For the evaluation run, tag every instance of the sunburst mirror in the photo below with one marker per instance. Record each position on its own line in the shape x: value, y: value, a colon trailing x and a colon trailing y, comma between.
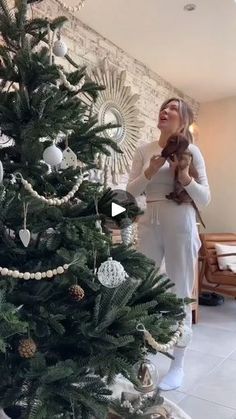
x: 116, y: 104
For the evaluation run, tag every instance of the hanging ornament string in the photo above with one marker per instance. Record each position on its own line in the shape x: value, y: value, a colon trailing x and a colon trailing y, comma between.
x: 25, y: 210
x: 50, y: 43
x: 24, y: 233
x: 161, y: 347
x: 36, y: 275
x: 68, y: 85
x: 72, y: 9
x: 50, y: 201
x: 105, y: 181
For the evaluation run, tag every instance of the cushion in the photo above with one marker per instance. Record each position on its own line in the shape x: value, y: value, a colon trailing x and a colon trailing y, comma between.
x: 232, y: 267
x: 224, y: 262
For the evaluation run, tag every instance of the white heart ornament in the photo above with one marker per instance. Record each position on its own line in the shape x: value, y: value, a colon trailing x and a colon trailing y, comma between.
x: 24, y: 235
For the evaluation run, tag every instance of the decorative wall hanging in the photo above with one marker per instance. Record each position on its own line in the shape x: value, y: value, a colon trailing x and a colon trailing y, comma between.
x: 116, y: 105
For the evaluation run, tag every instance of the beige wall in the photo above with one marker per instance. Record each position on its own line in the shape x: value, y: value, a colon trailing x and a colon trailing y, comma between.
x: 217, y: 140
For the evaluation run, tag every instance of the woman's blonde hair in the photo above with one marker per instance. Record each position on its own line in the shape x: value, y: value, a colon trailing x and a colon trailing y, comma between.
x: 186, y: 115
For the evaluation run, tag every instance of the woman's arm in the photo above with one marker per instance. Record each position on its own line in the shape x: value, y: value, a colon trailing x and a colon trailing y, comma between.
x: 137, y: 180
x: 199, y: 191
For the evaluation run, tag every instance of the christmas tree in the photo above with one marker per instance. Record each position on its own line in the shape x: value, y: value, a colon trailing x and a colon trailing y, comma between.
x: 64, y: 335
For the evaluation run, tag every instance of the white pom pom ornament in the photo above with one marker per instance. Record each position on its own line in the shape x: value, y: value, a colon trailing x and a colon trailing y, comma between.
x: 60, y: 48
x: 111, y: 273
x: 52, y: 155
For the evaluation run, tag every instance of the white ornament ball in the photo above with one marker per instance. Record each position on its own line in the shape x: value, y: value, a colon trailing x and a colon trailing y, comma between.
x: 111, y: 273
x: 26, y: 275
x: 60, y: 48
x: 52, y: 155
x: 49, y: 274
x: 1, y: 172
x: 38, y: 276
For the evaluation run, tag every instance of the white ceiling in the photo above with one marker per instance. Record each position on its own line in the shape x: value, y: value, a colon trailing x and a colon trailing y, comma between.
x: 195, y: 51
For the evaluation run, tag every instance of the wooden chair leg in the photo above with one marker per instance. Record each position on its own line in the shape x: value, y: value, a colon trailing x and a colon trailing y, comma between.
x: 202, y: 267
x: 195, y: 316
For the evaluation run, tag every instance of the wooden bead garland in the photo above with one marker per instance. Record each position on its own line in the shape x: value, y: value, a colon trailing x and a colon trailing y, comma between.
x: 37, y: 275
x: 70, y: 86
x: 51, y: 201
x: 162, y: 347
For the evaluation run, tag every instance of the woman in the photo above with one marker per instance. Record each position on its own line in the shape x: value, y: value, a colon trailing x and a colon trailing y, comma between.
x: 168, y: 230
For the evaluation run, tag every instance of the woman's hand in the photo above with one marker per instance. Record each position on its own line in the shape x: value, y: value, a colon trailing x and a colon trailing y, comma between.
x: 156, y: 162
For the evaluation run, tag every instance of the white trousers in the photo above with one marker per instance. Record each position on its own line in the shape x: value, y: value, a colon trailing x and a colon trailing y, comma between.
x: 168, y: 231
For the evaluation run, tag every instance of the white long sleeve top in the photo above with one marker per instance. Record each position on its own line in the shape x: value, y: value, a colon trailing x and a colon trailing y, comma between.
x: 161, y: 183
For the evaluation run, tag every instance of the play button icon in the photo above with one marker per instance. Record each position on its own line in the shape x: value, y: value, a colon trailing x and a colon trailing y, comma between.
x: 116, y: 209
x: 123, y: 202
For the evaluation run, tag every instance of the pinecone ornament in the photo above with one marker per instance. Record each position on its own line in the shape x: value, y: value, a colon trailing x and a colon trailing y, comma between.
x: 127, y: 232
x: 27, y: 348
x: 76, y: 292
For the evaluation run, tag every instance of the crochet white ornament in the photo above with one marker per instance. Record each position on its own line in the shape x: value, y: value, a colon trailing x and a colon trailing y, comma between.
x: 52, y: 155
x: 59, y: 48
x: 127, y: 231
x: 111, y: 273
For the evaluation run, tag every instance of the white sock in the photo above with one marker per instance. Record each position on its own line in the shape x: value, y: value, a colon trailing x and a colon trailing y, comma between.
x: 174, y: 378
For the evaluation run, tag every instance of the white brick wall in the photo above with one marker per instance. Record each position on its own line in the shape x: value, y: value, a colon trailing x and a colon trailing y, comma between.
x: 88, y: 47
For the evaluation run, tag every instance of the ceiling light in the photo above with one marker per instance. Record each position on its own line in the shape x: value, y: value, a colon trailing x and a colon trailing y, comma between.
x: 190, y: 7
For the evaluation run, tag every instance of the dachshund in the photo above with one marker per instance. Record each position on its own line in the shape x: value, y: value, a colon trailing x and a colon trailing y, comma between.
x: 177, y: 145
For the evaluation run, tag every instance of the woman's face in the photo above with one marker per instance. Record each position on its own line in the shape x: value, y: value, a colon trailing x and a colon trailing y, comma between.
x: 169, y: 118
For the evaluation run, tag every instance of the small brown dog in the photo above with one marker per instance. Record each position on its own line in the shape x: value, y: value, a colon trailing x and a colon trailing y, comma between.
x: 177, y: 145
